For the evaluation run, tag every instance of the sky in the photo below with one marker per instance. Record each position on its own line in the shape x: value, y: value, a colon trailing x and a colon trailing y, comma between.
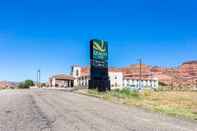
x: 53, y: 35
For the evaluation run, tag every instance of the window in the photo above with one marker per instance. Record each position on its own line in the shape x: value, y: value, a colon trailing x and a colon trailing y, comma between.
x: 77, y: 72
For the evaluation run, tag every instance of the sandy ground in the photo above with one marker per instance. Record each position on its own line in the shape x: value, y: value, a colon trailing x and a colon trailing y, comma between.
x: 55, y: 110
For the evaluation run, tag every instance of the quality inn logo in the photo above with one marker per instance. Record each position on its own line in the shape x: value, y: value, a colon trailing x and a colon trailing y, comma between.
x: 99, y: 46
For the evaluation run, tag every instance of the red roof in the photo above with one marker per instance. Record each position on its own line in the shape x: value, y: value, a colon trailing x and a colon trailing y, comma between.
x: 63, y: 77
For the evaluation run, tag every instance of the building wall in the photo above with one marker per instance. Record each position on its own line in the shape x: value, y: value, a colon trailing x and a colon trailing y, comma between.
x: 76, y: 71
x: 59, y: 83
x: 152, y: 83
x: 53, y: 82
x: 116, y: 79
x: 83, y: 81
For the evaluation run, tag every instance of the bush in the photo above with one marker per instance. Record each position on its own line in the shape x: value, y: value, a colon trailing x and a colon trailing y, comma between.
x: 147, y: 92
x: 126, y: 93
x: 22, y: 85
x: 25, y: 85
x: 43, y: 85
x: 29, y: 83
x: 162, y: 83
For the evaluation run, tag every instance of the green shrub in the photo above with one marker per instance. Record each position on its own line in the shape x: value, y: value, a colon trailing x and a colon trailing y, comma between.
x: 43, y: 85
x: 117, y: 90
x: 25, y: 85
x: 162, y: 83
x: 29, y: 83
x: 22, y: 85
x: 125, y: 93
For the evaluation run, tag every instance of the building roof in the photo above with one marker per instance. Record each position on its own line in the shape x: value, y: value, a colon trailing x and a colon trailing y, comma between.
x: 63, y: 77
x: 114, y: 70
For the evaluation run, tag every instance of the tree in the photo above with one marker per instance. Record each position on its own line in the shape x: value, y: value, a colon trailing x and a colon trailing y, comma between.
x: 26, y: 84
x: 22, y: 85
x: 29, y: 83
x: 43, y: 85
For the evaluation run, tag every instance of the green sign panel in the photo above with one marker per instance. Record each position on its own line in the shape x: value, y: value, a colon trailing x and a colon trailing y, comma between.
x: 100, y: 50
x: 99, y: 77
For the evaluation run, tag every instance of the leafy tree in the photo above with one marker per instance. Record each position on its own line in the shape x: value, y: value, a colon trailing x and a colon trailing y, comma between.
x: 43, y: 85
x: 29, y: 83
x: 26, y: 84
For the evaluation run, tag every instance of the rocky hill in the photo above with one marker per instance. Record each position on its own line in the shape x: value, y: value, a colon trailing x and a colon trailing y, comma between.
x: 7, y: 84
x: 183, y: 75
x: 188, y: 69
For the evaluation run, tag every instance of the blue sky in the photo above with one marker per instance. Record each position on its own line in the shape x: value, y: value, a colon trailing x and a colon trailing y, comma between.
x: 53, y: 35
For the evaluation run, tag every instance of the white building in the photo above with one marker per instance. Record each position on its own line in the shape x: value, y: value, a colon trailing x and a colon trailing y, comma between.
x: 80, y: 77
x: 141, y: 83
x: 117, y: 79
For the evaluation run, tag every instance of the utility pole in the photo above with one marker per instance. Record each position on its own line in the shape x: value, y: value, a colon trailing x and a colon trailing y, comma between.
x: 38, y: 78
x: 140, y: 72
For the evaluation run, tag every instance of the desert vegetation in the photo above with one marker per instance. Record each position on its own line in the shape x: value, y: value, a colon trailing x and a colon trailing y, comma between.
x: 175, y: 103
x: 26, y: 84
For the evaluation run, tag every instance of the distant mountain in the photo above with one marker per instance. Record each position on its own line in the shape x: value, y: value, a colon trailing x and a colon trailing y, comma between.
x: 7, y: 84
x: 183, y: 75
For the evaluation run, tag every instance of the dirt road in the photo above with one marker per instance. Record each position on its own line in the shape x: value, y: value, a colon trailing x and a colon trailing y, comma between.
x: 52, y: 110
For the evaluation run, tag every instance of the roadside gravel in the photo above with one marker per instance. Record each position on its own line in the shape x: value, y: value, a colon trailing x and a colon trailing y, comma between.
x: 53, y: 110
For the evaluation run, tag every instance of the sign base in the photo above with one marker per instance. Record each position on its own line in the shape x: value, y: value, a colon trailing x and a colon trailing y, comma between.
x: 100, y: 85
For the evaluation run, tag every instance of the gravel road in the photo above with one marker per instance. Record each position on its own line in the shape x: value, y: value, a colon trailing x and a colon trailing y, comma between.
x: 53, y: 110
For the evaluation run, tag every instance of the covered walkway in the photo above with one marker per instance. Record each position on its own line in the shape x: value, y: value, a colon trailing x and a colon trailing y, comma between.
x: 61, y: 80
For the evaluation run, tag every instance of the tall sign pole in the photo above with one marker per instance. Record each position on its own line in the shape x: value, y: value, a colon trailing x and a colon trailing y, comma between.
x: 99, y: 78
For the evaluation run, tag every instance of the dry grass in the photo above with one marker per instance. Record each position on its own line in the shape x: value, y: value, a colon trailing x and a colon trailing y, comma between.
x: 176, y: 103
x: 173, y: 102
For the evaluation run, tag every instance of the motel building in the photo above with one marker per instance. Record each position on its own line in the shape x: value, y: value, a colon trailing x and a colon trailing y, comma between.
x: 80, y: 76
